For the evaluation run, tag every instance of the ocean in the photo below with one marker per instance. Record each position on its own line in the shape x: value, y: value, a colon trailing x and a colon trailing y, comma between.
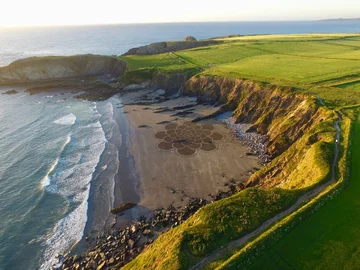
x: 57, y: 150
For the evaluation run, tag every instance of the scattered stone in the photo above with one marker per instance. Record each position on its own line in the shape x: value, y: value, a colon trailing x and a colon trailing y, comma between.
x: 162, y: 110
x: 111, y: 261
x: 192, y: 99
x: 184, y: 107
x: 122, y: 208
x: 164, y: 122
x: 133, y: 228
x: 10, y: 92
x: 147, y: 232
x: 131, y: 243
x: 160, y: 92
x: 101, y: 266
x: 76, y: 258
x: 183, y: 113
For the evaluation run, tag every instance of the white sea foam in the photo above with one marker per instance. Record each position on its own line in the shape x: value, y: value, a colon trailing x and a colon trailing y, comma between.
x: 67, y: 120
x: 72, y: 179
x: 93, y: 125
x: 46, y: 180
x: 68, y: 231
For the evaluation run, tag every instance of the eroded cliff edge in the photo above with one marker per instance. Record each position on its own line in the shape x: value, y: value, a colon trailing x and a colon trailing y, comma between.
x: 300, y: 131
x: 49, y: 68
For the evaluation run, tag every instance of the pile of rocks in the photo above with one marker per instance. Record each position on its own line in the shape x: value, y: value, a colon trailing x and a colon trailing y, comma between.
x: 257, y: 143
x: 117, y: 247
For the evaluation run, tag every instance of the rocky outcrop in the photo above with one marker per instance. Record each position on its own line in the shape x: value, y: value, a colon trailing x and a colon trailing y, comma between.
x: 171, y: 82
x: 164, y: 47
x: 190, y: 38
x: 10, y: 92
x: 61, y: 67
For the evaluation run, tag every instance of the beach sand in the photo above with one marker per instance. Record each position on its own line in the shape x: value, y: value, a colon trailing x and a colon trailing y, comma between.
x: 165, y: 175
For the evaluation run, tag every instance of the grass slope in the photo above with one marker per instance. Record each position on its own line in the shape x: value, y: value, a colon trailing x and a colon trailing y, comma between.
x: 334, y: 243
x: 213, y: 226
x: 327, y: 238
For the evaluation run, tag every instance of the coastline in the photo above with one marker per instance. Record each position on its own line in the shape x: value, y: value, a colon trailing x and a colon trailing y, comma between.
x: 136, y: 174
x: 114, y: 184
x: 126, y: 189
x: 198, y: 175
x: 164, y: 199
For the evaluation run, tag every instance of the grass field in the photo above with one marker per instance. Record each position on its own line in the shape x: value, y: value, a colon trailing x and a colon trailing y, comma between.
x: 311, y: 63
x: 330, y: 238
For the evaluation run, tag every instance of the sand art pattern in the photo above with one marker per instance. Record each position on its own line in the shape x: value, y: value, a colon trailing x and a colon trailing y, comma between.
x: 188, y: 138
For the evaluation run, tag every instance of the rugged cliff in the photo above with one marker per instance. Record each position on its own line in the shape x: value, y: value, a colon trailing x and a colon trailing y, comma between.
x: 300, y: 131
x: 57, y: 67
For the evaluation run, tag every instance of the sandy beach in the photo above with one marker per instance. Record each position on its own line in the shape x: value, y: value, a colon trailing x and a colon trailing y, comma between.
x: 171, y: 170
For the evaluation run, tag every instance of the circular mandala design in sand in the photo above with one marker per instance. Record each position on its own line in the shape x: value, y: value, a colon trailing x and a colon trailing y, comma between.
x: 186, y: 139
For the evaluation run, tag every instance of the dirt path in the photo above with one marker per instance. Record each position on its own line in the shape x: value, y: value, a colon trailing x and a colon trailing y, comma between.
x: 222, y: 251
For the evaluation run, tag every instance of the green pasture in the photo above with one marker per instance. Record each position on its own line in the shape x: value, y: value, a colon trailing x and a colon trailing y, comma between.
x: 310, y: 63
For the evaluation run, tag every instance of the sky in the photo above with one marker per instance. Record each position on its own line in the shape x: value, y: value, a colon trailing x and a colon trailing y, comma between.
x: 82, y: 12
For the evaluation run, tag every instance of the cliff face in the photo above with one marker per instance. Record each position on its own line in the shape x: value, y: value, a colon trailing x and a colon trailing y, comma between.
x: 282, y: 115
x: 56, y: 67
x: 299, y: 130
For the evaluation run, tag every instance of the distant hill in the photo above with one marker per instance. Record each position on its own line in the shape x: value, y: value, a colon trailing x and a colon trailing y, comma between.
x: 341, y: 19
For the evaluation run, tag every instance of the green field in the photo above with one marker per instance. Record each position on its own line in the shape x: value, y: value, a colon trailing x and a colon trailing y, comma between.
x: 325, y: 65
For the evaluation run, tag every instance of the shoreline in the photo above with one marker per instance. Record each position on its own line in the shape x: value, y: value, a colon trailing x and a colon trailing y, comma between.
x: 126, y: 189
x: 166, y: 206
x: 139, y: 178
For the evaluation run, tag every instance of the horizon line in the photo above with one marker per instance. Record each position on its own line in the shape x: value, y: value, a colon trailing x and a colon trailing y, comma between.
x: 175, y: 22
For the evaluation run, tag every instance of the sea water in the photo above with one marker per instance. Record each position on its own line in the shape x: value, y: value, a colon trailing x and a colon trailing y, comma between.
x: 53, y: 148
x: 50, y: 149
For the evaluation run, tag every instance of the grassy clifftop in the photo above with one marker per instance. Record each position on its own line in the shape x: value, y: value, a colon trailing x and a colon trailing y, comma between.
x: 278, y: 83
